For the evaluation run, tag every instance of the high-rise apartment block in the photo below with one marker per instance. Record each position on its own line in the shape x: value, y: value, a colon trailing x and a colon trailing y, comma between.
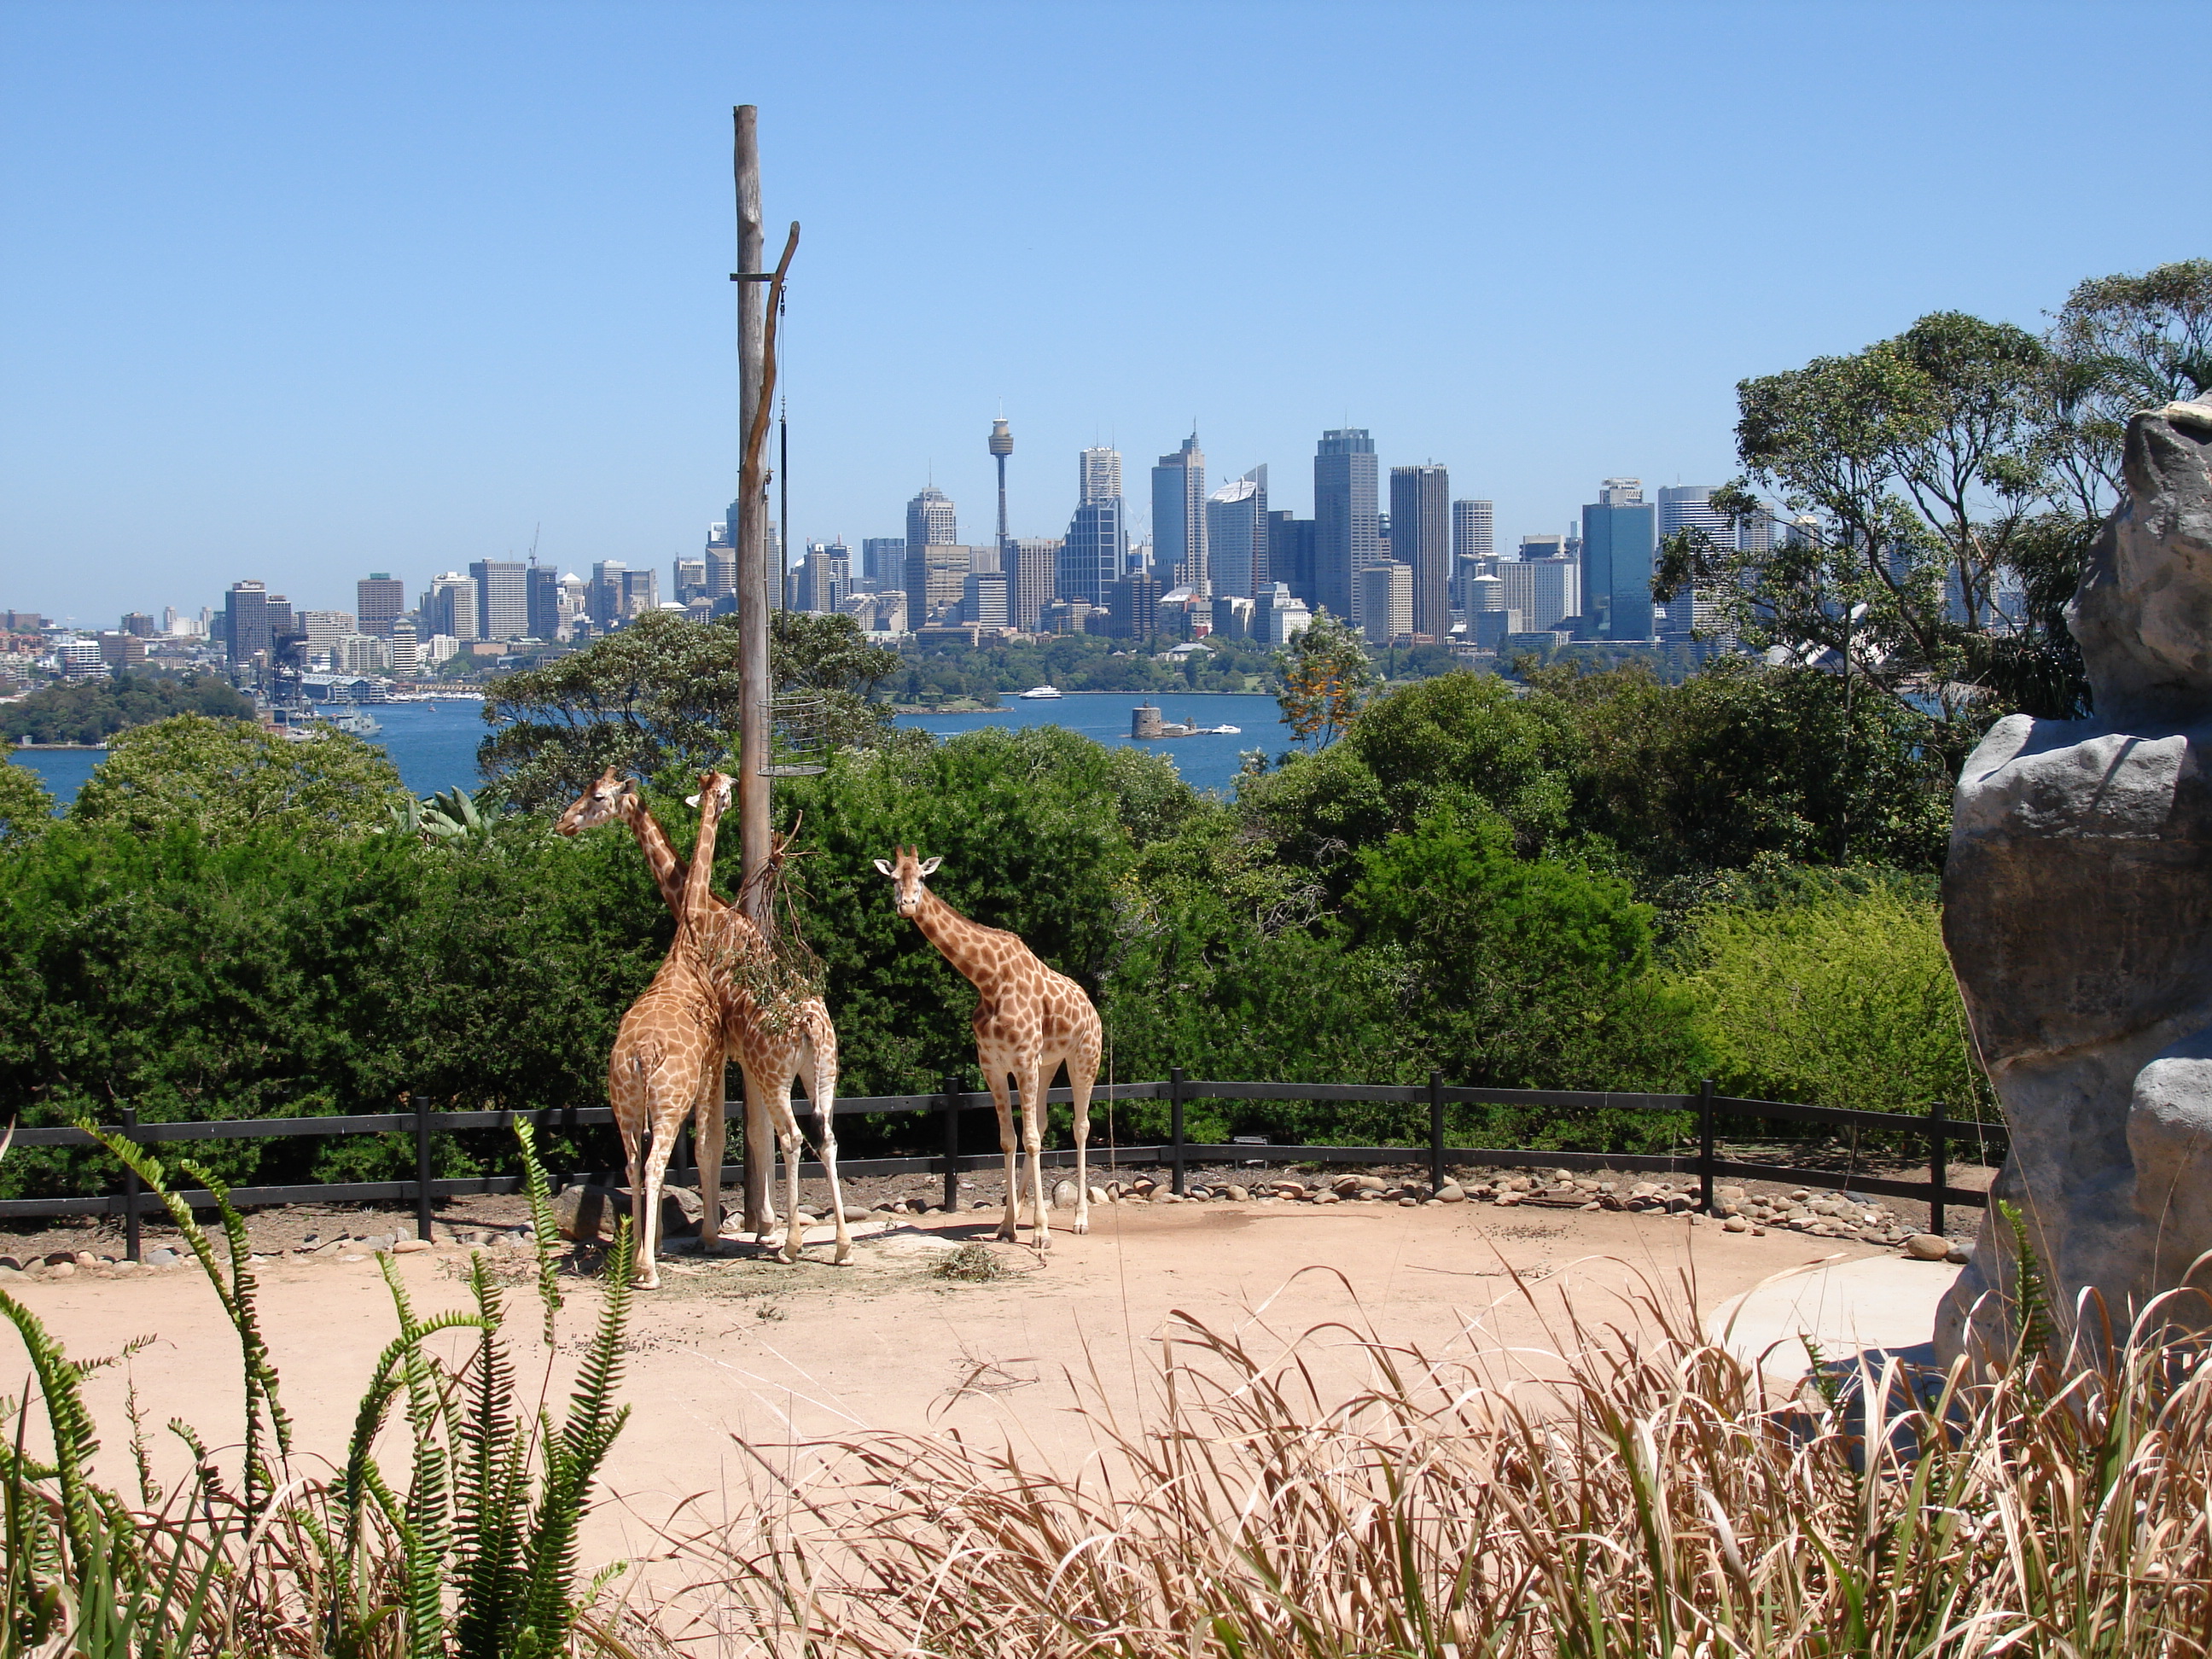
x: 379, y: 599
x: 1384, y: 595
x: 502, y: 598
x: 245, y: 611
x: 1620, y: 539
x: 1179, y: 515
x: 1420, y: 538
x: 1236, y: 535
x: 1346, y: 514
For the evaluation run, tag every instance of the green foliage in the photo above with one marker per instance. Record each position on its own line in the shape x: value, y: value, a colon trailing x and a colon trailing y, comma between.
x: 1839, y: 998
x: 216, y: 779
x: 26, y: 809
x: 660, y: 696
x: 1325, y: 679
x: 950, y: 670
x: 93, y: 711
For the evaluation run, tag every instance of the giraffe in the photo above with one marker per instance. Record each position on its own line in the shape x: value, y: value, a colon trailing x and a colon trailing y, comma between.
x: 1028, y: 1020
x: 667, y: 1059
x: 771, y: 1043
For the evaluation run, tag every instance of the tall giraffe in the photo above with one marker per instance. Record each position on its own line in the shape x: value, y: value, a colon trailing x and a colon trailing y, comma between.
x: 773, y: 1042
x: 667, y: 1060
x: 1028, y: 1021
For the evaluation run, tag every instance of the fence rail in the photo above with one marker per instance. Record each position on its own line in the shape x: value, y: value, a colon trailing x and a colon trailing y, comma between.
x: 1176, y: 1151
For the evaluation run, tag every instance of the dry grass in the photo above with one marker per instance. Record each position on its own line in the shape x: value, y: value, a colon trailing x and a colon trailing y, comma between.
x: 1655, y: 1498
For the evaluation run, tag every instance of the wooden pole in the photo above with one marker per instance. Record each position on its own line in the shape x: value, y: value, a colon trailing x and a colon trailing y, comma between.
x: 753, y: 783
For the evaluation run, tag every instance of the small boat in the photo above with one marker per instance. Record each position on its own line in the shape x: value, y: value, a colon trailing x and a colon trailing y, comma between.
x: 354, y: 721
x: 1041, y: 694
x: 1225, y: 732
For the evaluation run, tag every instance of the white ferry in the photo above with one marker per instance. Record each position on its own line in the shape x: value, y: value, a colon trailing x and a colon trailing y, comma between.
x: 1041, y: 694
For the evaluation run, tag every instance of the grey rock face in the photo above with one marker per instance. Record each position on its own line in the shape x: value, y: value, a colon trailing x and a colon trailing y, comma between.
x: 2078, y: 912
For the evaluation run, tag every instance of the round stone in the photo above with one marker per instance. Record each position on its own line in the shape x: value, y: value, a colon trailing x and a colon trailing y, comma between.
x: 1927, y: 1246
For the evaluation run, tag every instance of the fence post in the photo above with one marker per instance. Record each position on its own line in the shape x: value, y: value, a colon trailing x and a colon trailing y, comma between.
x: 422, y: 1169
x: 1435, y: 1131
x: 1175, y: 1127
x: 1705, y: 1146
x: 1939, y: 1165
x: 130, y: 1188
x: 952, y: 1144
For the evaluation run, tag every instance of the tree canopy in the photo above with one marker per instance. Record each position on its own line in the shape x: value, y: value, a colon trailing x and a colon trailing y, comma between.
x: 216, y: 780
x: 91, y: 711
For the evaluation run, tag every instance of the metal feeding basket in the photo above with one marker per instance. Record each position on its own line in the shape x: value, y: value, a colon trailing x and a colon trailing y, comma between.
x: 798, y: 746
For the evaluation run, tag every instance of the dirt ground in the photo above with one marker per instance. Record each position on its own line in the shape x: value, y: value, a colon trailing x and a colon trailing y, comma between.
x: 739, y: 1362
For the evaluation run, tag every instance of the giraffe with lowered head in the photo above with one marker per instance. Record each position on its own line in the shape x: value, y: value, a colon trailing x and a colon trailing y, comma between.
x: 773, y: 1040
x: 1029, y: 1021
x: 667, y: 1060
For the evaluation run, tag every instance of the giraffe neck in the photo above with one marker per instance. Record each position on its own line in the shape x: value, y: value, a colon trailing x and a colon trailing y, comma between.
x: 699, y: 881
x: 668, y: 870
x: 966, y: 945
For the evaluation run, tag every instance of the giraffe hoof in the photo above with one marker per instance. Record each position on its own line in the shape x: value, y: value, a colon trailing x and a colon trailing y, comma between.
x: 844, y: 1254
x: 1080, y: 1224
x: 1006, y: 1234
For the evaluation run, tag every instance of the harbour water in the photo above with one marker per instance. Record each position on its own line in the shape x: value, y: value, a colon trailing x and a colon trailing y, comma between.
x: 434, y: 744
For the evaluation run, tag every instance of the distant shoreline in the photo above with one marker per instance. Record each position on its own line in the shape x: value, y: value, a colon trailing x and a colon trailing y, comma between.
x: 1016, y: 697
x: 89, y: 747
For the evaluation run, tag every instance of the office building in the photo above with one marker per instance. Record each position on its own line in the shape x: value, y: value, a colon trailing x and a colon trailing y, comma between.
x: 1544, y: 547
x: 984, y: 599
x: 931, y: 522
x: 1543, y: 590
x: 1473, y: 542
x: 1179, y: 515
x: 1278, y: 615
x: 1290, y: 556
x: 825, y: 578
x: 82, y: 659
x: 119, y: 649
x: 401, y: 646
x: 1236, y: 535
x: 1072, y: 616
x: 1420, y: 540
x: 541, y: 589
x: 883, y: 560
x: 604, y: 601
x: 1689, y: 507
x: 1385, y: 600
x: 449, y: 606
x: 1095, y: 549
x: 1232, y: 618
x: 1134, y: 607
x: 379, y: 599
x: 325, y: 628
x: 245, y: 616
x: 502, y: 598
x: 689, y: 580
x: 640, y: 593
x: 1346, y: 517
x: 1621, y: 537
x: 1035, y: 562
x: 1097, y: 474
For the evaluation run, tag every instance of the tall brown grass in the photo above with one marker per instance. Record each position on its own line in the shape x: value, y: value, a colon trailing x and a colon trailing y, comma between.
x: 1656, y: 1496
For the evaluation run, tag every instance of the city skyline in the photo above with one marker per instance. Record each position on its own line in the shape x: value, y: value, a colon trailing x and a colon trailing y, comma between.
x: 364, y: 342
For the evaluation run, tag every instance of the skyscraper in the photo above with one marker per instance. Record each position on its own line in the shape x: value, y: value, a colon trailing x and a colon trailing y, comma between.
x: 1473, y: 540
x: 1421, y: 537
x: 1179, y: 515
x: 931, y: 522
x: 246, y: 612
x: 1620, y: 539
x: 1689, y: 507
x: 1290, y: 556
x: 1345, y: 514
x: 1386, y: 601
x: 542, y: 585
x: 1034, y: 563
x: 883, y: 560
x: 606, y: 592
x: 1097, y: 544
x: 1097, y: 474
x: 1236, y: 535
x: 502, y: 598
x: 379, y: 600
x: 449, y: 606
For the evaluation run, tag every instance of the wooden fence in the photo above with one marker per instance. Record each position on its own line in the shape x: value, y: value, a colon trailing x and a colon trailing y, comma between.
x: 1175, y: 1153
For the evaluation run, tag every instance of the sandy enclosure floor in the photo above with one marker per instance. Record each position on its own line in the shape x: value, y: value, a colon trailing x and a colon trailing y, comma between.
x: 739, y: 1362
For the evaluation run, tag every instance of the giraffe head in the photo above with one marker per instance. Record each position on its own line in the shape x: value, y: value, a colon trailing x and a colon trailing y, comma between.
x: 721, y: 782
x: 907, y: 876
x: 601, y: 802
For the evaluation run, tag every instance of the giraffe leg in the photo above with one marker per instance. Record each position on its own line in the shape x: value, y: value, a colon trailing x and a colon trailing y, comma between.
x: 786, y: 1138
x: 996, y: 1075
x: 760, y: 1183
x: 1082, y: 1072
x: 820, y: 1057
x: 709, y: 1132
x: 646, y: 1203
x: 627, y: 1093
x: 1033, y: 1120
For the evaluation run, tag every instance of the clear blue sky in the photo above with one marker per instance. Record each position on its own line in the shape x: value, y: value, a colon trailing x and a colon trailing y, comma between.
x: 298, y: 291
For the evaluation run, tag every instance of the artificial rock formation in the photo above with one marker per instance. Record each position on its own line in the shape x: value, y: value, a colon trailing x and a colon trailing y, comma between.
x: 2077, y: 907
